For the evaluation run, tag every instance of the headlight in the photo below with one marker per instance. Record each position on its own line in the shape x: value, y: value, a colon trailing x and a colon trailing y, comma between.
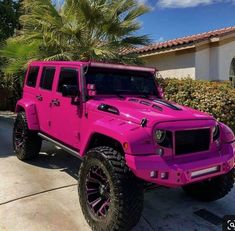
x: 216, y: 132
x: 159, y: 136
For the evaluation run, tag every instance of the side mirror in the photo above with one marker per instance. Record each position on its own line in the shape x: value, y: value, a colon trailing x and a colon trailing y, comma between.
x: 160, y: 91
x: 91, y: 90
x: 70, y: 91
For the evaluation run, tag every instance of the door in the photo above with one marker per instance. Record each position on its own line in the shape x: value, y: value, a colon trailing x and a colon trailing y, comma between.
x: 66, y: 114
x: 43, y: 98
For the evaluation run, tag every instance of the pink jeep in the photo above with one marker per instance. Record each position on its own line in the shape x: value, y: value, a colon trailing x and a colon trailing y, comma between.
x: 115, y: 118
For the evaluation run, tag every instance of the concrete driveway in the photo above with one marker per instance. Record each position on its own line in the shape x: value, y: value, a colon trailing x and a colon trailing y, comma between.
x: 42, y: 195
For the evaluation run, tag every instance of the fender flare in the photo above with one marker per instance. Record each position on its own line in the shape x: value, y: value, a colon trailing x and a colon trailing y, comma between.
x: 30, y: 110
x: 227, y: 134
x: 103, y: 131
x: 138, y: 138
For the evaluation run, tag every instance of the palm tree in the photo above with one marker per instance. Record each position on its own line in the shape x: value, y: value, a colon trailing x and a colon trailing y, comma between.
x: 78, y: 30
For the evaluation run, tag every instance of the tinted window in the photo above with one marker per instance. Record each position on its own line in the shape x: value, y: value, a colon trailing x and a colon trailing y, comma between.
x: 32, y: 76
x: 68, y: 76
x: 47, y: 78
x: 121, y: 82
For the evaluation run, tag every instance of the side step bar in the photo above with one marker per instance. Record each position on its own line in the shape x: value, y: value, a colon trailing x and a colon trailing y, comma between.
x: 67, y: 149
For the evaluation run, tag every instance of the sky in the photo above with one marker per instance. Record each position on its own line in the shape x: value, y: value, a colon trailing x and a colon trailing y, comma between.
x: 169, y: 19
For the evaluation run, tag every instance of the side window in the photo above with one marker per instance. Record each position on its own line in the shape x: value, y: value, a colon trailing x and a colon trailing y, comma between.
x: 32, y: 76
x: 47, y: 78
x: 68, y: 76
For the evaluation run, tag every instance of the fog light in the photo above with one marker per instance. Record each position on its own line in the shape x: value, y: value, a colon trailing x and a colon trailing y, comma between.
x: 164, y: 175
x: 153, y: 174
x: 205, y: 171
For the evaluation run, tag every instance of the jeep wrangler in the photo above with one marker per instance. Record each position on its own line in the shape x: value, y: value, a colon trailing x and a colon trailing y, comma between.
x: 115, y: 118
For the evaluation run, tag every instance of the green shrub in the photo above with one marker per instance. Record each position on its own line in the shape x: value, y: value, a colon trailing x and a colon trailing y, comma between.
x: 216, y: 98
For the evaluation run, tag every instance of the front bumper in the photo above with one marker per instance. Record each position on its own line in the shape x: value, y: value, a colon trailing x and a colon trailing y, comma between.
x: 175, y: 172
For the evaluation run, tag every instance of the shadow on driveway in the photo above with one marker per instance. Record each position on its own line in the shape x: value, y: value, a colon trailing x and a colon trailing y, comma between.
x: 6, y: 127
x: 52, y: 158
x: 164, y: 209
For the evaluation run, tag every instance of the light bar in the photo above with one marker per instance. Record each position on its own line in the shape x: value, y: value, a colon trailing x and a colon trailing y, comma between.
x: 206, y: 171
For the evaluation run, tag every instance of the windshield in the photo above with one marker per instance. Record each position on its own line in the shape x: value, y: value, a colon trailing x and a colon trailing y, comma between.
x: 110, y: 81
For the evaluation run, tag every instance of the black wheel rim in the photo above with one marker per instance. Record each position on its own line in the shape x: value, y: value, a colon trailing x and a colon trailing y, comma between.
x: 19, y: 136
x: 97, y: 192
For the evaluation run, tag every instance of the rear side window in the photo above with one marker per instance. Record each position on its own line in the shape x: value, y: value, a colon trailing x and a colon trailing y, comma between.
x: 32, y: 76
x: 47, y: 78
x: 68, y: 76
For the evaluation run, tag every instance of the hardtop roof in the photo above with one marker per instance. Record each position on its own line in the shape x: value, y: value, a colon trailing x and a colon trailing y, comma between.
x: 96, y: 64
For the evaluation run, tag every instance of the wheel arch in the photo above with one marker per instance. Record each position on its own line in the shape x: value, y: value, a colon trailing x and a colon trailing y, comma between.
x: 98, y: 139
x: 30, y: 110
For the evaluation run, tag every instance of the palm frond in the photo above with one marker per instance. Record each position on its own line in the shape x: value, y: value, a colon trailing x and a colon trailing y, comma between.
x: 19, y: 54
x: 76, y: 30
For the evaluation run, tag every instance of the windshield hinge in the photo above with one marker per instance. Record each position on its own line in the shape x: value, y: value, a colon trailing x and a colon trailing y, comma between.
x: 144, y: 122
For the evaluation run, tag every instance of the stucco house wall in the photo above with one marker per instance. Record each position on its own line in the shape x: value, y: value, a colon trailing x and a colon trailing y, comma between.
x: 202, y: 63
x: 176, y: 64
x: 206, y: 56
x: 213, y: 61
x: 226, y: 55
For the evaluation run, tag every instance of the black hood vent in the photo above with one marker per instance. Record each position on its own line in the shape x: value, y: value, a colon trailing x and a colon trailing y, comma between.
x: 108, y: 108
x: 167, y: 104
x: 146, y: 103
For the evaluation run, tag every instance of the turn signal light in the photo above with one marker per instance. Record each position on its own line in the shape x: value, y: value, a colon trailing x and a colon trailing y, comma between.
x: 125, y: 146
x: 164, y: 175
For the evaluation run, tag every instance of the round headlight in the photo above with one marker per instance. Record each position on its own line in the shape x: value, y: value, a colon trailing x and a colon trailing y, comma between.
x: 216, y: 132
x: 159, y: 136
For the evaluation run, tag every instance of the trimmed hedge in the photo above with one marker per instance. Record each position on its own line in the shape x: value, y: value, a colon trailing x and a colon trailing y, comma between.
x: 216, y: 98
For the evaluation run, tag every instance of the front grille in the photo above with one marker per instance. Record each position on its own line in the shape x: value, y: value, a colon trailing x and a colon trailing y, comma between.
x: 191, y: 141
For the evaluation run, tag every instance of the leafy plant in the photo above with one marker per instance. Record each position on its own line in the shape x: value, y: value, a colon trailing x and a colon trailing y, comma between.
x: 77, y: 30
x: 9, y: 17
x: 215, y: 98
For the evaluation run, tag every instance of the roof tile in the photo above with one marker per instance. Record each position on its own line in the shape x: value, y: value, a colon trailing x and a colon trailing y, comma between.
x: 184, y: 40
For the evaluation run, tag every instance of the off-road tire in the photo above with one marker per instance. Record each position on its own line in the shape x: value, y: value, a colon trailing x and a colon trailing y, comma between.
x: 126, y: 191
x: 213, y: 189
x: 31, y: 142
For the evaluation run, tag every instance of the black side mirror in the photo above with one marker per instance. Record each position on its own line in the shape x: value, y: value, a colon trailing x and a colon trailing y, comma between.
x: 70, y: 91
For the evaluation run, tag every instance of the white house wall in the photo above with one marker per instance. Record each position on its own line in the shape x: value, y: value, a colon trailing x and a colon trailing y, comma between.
x: 210, y: 61
x: 213, y: 62
x: 202, y: 63
x: 173, y: 65
x: 226, y: 55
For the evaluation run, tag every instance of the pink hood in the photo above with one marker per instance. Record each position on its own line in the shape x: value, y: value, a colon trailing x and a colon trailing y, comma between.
x: 155, y: 111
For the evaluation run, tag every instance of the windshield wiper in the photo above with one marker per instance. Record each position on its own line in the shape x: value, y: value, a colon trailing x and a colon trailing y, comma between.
x: 145, y: 95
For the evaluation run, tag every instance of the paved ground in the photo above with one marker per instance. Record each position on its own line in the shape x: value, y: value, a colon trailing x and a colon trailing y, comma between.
x: 42, y: 195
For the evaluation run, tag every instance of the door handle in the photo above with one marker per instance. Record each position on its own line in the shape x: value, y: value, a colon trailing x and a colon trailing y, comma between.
x: 55, y: 102
x: 39, y: 97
